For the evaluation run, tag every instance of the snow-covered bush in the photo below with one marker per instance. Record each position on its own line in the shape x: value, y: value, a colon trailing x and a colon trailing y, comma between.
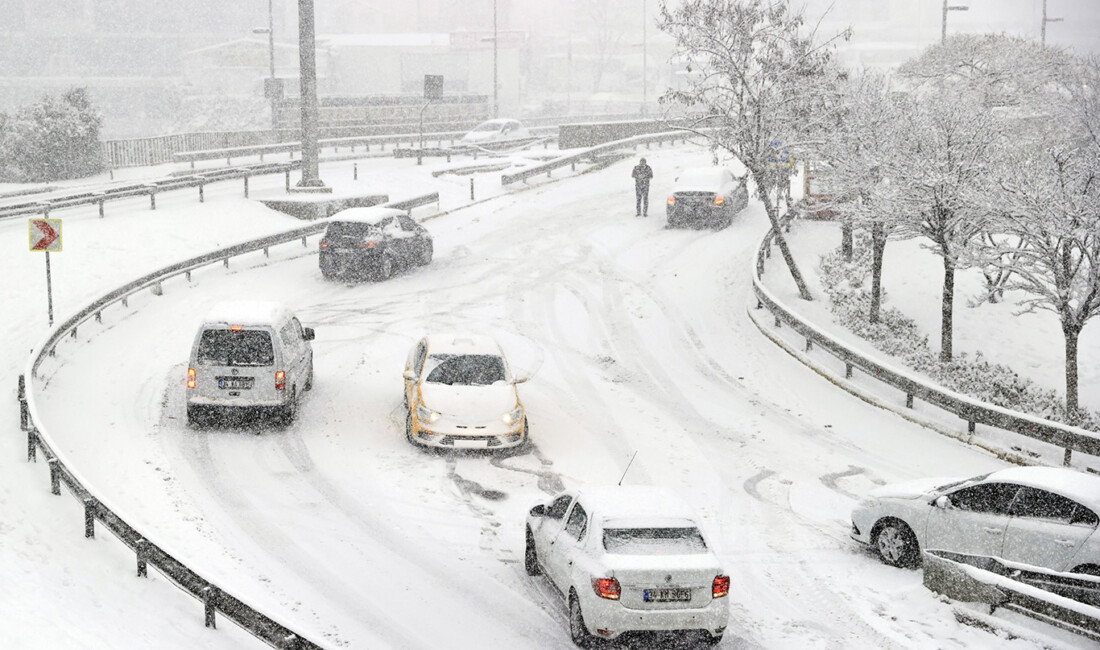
x: 54, y: 139
x: 898, y: 336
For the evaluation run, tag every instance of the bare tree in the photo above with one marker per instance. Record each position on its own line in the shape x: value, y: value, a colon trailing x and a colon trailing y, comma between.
x: 1050, y: 207
x: 758, y: 78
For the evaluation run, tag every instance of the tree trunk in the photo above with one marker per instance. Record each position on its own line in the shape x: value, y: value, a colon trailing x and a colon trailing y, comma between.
x: 1071, y: 333
x: 878, y: 249
x: 846, y: 237
x: 948, y: 308
x: 773, y: 217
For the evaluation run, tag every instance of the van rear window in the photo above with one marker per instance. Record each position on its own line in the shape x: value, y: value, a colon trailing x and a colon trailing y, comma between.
x: 236, y: 348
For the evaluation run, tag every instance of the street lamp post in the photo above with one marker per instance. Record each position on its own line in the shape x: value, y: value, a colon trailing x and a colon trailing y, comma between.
x: 1043, y: 33
x: 645, y: 61
x: 947, y: 8
x: 270, y: 31
x: 496, y: 106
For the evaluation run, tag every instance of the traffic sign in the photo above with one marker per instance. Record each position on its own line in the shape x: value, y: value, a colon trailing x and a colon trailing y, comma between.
x: 45, y: 234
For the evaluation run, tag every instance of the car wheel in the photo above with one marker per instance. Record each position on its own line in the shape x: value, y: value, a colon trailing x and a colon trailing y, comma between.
x: 530, y: 557
x: 309, y: 380
x: 426, y: 253
x: 711, y: 640
x: 385, y: 268
x: 196, y: 416
x: 290, y: 410
x: 409, y: 427
x: 896, y: 544
x: 577, y: 631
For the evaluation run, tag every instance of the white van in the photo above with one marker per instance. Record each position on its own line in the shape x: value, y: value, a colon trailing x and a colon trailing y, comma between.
x: 249, y: 355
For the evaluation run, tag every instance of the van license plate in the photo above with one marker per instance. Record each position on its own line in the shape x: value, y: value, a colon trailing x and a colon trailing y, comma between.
x: 667, y: 595
x: 235, y: 383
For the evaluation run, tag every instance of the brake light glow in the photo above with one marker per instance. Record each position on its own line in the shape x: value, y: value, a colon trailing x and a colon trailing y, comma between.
x: 323, y: 243
x: 368, y: 244
x: 606, y: 588
x: 720, y: 587
x: 672, y: 200
x: 280, y: 380
x: 235, y: 328
x: 719, y: 200
x: 190, y: 377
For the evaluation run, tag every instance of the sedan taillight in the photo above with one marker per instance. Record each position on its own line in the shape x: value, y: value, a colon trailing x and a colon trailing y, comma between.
x: 370, y: 243
x: 606, y: 588
x: 322, y: 244
x: 672, y: 200
x: 720, y: 587
x: 719, y: 200
x: 280, y: 379
x: 190, y: 377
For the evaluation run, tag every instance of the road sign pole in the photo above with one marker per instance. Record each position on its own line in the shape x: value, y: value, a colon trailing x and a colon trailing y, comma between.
x: 49, y: 288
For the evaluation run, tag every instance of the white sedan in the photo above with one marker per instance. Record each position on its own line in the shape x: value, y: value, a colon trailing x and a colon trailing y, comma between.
x: 1040, y: 516
x: 628, y: 559
x: 461, y: 394
x: 495, y: 131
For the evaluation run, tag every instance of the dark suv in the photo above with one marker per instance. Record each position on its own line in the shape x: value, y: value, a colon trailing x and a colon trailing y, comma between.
x: 372, y: 242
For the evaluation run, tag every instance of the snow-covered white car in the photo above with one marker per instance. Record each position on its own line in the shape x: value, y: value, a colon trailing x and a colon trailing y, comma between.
x: 628, y: 559
x: 1040, y: 516
x: 495, y: 131
x: 461, y: 394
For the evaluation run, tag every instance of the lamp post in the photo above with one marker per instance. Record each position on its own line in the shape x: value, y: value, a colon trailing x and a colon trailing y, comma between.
x: 307, y: 62
x: 645, y: 61
x: 947, y: 8
x: 270, y: 31
x: 1043, y: 33
x: 496, y: 106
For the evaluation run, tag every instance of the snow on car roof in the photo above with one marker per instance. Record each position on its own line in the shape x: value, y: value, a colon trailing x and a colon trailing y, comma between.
x: 1070, y: 483
x: 246, y: 312
x: 638, y: 505
x: 372, y: 215
x: 460, y: 343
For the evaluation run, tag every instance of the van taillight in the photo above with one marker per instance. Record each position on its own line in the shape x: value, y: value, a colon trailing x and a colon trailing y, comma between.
x: 323, y: 243
x: 606, y: 588
x: 280, y: 380
x: 190, y: 377
x: 720, y: 587
x: 719, y: 200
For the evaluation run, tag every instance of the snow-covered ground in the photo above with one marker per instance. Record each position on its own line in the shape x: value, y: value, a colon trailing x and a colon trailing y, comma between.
x: 638, y: 340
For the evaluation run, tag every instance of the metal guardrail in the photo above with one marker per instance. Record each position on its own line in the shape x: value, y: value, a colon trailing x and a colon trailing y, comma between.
x: 1067, y: 601
x: 150, y: 188
x: 592, y: 152
x: 974, y: 411
x: 96, y: 508
x: 413, y: 140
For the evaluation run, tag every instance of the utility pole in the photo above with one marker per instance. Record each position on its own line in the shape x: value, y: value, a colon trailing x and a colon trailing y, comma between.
x: 1043, y: 33
x: 947, y: 8
x: 645, y: 60
x: 311, y: 112
x: 496, y: 106
x: 270, y: 31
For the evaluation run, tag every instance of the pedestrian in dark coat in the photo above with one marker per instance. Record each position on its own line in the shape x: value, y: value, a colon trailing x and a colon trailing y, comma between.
x: 642, y: 173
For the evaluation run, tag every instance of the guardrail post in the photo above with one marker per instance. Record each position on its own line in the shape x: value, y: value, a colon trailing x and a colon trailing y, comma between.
x: 778, y: 323
x: 848, y: 374
x: 909, y: 400
x: 24, y: 416
x: 290, y: 642
x: 246, y: 186
x: 809, y: 344
x: 55, y: 476
x: 304, y: 244
x: 265, y: 252
x: 101, y: 202
x: 142, y: 548
x: 32, y: 440
x: 471, y: 189
x: 45, y: 209
x: 202, y: 192
x: 89, y: 518
x: 1067, y: 457
x: 209, y: 598
x: 288, y: 180
x: 355, y: 171
x: 225, y: 262
x: 152, y: 197
x: 573, y: 166
x: 228, y: 161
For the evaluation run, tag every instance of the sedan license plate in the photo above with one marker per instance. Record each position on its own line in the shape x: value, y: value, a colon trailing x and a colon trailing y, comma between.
x: 666, y: 595
x: 235, y: 383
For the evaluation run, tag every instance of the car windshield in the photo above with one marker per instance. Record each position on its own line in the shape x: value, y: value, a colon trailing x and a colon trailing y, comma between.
x: 488, y: 126
x: 700, y: 177
x: 351, y: 230
x: 466, y: 369
x: 653, y: 541
x: 225, y: 347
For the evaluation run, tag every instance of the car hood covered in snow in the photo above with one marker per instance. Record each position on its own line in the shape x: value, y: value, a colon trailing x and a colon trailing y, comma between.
x: 913, y: 489
x: 479, y: 402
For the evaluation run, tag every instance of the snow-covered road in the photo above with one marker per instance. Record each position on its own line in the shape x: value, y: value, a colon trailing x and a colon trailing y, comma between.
x: 638, y: 342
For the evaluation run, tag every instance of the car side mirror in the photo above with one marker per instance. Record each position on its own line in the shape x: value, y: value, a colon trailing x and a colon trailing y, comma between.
x: 520, y: 380
x: 943, y: 501
x: 409, y: 374
x: 307, y: 333
x: 538, y: 511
